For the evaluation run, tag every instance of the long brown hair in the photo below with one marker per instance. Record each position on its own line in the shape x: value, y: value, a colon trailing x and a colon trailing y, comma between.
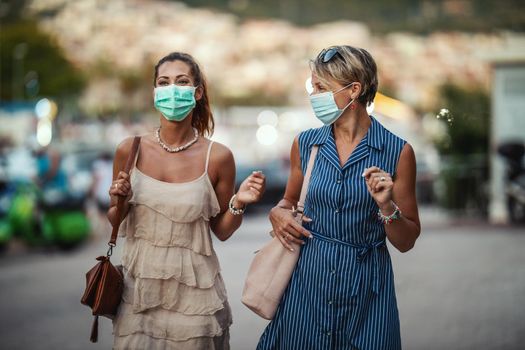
x: 202, y: 115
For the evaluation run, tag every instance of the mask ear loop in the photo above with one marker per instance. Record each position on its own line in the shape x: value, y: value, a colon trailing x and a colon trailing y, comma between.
x: 352, y: 106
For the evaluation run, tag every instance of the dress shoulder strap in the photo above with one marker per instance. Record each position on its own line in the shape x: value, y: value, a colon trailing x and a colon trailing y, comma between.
x: 136, y: 157
x: 208, y: 157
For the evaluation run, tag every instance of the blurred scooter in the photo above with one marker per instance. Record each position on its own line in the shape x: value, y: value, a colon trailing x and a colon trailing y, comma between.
x: 513, y: 152
x: 64, y: 220
x: 45, y: 209
x: 48, y: 217
x: 5, y: 202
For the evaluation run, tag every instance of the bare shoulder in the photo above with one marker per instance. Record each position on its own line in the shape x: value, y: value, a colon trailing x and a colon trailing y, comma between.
x: 295, y: 145
x: 294, y: 153
x: 222, y: 164
x: 220, y: 154
x: 406, y: 167
x: 124, y: 148
x: 407, y: 155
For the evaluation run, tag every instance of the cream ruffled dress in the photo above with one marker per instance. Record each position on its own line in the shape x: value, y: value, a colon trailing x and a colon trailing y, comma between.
x: 174, y: 296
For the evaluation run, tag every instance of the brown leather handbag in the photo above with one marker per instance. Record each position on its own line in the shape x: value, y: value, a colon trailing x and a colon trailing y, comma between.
x: 104, y: 282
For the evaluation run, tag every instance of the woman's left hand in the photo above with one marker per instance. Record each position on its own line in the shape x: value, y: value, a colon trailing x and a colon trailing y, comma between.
x: 379, y: 185
x: 252, y: 188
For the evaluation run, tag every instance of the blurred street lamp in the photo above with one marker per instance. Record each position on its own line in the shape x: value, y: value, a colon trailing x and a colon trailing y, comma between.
x: 266, y: 135
x: 45, y: 111
x: 44, y: 132
x: 43, y: 108
x: 267, y: 117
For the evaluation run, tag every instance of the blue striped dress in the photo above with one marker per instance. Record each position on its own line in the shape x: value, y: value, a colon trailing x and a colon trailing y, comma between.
x: 341, y: 295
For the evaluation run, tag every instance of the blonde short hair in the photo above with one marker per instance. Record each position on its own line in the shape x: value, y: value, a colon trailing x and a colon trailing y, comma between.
x: 350, y: 64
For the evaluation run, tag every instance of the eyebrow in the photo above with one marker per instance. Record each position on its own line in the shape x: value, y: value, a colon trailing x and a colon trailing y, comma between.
x: 178, y: 76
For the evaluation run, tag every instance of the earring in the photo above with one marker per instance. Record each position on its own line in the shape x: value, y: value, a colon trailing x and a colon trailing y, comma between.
x: 352, y: 106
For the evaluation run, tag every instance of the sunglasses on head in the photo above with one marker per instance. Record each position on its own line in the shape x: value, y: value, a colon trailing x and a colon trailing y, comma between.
x: 326, y: 55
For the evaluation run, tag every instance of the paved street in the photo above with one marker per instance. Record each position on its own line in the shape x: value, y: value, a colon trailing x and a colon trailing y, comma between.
x: 462, y: 287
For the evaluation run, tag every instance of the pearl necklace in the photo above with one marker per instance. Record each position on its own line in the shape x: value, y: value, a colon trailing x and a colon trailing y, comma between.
x: 176, y: 149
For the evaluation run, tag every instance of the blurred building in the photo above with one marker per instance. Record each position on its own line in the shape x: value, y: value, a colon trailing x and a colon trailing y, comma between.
x: 508, y: 121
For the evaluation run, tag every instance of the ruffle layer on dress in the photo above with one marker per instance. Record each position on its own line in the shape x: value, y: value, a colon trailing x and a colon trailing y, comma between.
x: 161, y: 230
x: 174, y: 326
x: 191, y: 196
x: 144, y: 260
x: 171, y: 295
x: 140, y: 342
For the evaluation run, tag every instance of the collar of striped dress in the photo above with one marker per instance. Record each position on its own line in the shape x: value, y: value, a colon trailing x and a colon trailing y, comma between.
x: 375, y: 135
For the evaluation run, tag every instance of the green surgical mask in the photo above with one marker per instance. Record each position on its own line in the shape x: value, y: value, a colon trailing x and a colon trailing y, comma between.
x: 175, y: 102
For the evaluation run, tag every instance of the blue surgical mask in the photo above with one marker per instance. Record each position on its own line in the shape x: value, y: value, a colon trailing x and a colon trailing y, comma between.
x: 325, y: 108
x: 175, y: 102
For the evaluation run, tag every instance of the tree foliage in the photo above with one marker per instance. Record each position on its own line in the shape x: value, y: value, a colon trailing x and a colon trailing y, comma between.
x: 32, y: 64
x: 385, y: 15
x: 464, y: 148
x: 467, y: 120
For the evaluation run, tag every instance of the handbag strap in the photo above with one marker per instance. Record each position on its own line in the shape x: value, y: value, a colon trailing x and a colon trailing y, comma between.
x: 306, y: 181
x: 121, y: 200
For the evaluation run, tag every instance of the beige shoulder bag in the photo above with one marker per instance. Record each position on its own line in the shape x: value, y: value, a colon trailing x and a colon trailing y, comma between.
x: 273, y: 265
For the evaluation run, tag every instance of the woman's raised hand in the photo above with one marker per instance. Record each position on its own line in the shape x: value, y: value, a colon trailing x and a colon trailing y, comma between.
x: 379, y: 184
x: 252, y: 188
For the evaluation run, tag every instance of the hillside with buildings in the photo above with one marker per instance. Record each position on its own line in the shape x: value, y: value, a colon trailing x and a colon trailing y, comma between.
x: 250, y: 61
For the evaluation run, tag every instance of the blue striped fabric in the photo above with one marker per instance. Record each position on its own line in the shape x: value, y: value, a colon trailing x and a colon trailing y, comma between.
x: 341, y: 295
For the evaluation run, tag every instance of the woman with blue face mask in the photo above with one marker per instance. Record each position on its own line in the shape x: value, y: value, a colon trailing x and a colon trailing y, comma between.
x: 180, y: 188
x: 362, y: 192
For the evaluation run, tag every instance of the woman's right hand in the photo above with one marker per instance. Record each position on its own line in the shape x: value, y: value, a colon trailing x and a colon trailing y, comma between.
x: 121, y: 186
x: 286, y: 229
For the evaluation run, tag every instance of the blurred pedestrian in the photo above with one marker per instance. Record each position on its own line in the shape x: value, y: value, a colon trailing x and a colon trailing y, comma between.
x: 50, y: 175
x: 181, y: 186
x: 362, y: 191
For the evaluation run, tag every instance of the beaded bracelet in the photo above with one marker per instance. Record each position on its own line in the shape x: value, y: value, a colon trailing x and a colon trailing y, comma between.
x: 232, y: 209
x: 388, y: 219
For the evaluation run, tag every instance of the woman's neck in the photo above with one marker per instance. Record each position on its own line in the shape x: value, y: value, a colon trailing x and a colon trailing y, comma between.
x: 176, y: 133
x: 352, y: 125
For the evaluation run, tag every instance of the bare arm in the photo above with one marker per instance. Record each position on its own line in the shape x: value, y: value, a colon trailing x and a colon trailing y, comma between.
x: 402, y: 233
x: 285, y: 228
x: 250, y: 191
x: 122, y: 179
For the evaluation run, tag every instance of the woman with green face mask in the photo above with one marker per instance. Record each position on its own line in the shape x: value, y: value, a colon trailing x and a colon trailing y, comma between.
x: 180, y: 188
x: 362, y: 192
